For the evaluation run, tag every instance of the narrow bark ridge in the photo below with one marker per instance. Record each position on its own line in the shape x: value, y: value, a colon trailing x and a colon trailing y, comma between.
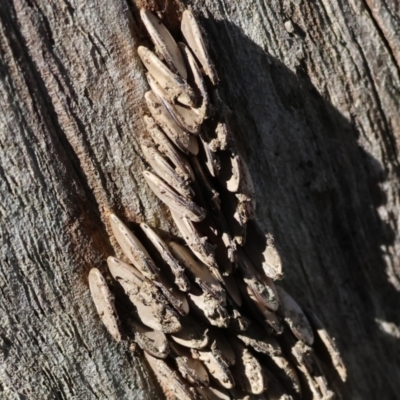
x: 212, y: 322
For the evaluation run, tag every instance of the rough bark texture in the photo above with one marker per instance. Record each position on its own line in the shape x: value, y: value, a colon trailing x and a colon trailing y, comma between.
x: 315, y: 89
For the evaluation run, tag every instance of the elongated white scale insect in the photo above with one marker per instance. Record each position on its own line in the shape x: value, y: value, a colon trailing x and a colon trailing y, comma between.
x: 204, y: 110
x: 104, y: 302
x: 216, y: 367
x: 191, y: 369
x: 176, y: 298
x: 153, y: 342
x: 310, y: 368
x: 172, y: 85
x: 185, y: 207
x: 183, y: 140
x: 202, y: 275
x: 330, y: 345
x: 164, y: 42
x: 152, y: 308
x: 173, y: 385
x: 247, y: 371
x: 192, y: 33
x: 203, y: 250
x: 132, y: 248
x: 212, y: 161
x: 295, y: 317
x: 262, y: 287
x: 165, y: 171
x: 177, y: 269
x: 267, y: 316
x: 183, y: 116
x: 193, y: 335
x: 214, y: 393
x: 179, y: 160
x: 221, y: 346
x: 208, y: 308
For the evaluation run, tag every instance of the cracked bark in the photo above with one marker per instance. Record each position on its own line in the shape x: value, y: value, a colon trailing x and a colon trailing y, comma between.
x: 314, y: 87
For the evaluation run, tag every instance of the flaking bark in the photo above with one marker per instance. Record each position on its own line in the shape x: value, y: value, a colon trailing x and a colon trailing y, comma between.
x: 314, y: 88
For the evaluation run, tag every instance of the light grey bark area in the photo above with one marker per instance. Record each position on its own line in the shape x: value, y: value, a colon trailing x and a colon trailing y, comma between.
x: 315, y: 89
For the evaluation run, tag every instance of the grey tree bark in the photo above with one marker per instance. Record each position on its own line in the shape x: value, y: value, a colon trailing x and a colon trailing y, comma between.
x: 314, y: 87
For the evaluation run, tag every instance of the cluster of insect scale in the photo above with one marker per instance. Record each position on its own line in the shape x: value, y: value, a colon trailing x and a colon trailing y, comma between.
x: 220, y: 328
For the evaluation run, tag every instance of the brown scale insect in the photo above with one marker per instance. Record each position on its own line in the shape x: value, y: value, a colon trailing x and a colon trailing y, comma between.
x: 208, y: 316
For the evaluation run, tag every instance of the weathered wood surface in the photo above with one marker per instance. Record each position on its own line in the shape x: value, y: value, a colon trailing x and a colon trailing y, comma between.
x: 315, y: 90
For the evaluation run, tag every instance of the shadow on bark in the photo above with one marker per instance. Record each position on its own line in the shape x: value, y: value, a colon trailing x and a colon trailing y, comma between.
x: 318, y: 193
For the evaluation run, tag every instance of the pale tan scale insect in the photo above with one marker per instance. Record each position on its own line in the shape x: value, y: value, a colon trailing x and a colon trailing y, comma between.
x: 209, y: 309
x: 272, y: 264
x: 286, y: 372
x: 191, y: 369
x: 164, y: 42
x: 133, y: 248
x: 193, y: 335
x: 260, y: 248
x: 176, y: 298
x: 165, y: 171
x: 208, y: 187
x: 213, y: 393
x: 262, y: 287
x: 227, y: 239
x: 192, y: 33
x: 172, y: 85
x: 212, y: 161
x: 153, y: 342
x: 245, y: 209
x: 237, y: 322
x: 199, y: 245
x: 173, y: 386
x: 247, y: 370
x: 256, y: 338
x: 179, y: 160
x: 202, y: 275
x: 185, y: 207
x: 130, y: 275
x: 295, y: 317
x: 220, y: 346
x: 235, y: 177
x: 151, y: 306
x: 177, y: 269
x: 309, y: 366
x: 216, y: 367
x: 241, y: 184
x: 183, y: 140
x: 122, y: 270
x: 222, y: 139
x: 104, y: 302
x: 269, y: 317
x: 237, y: 231
x: 233, y: 182
x: 330, y: 345
x: 183, y: 116
x: 204, y: 111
